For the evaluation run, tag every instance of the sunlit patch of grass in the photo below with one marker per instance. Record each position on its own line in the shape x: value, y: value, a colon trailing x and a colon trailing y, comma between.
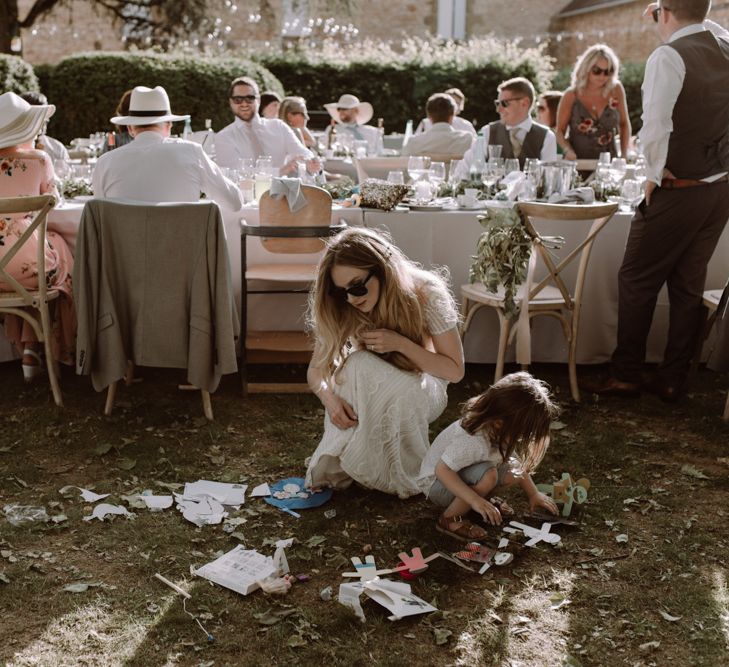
x: 90, y: 635
x: 720, y: 594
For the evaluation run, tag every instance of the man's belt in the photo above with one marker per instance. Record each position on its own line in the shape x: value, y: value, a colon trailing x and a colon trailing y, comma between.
x: 676, y: 183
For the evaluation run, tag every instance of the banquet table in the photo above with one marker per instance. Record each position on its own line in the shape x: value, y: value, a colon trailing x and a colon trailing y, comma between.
x: 448, y: 239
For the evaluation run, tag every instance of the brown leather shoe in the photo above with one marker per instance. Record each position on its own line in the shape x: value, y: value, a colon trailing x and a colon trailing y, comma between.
x: 613, y: 387
x: 668, y: 393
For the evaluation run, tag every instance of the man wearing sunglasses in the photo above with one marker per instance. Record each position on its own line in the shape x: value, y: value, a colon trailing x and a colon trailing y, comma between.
x: 515, y: 130
x: 249, y: 136
x: 674, y: 232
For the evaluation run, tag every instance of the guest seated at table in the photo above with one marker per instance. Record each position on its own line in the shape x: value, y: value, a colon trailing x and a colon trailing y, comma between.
x: 441, y: 137
x: 547, y: 105
x: 155, y: 168
x: 593, y: 109
x: 386, y: 347
x: 270, y: 104
x: 350, y: 116
x: 519, y: 136
x: 27, y: 171
x: 293, y: 112
x: 249, y: 136
x: 121, y: 137
x: 54, y: 148
x: 458, y: 123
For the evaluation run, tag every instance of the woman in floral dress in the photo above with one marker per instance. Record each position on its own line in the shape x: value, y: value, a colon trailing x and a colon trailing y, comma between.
x: 593, y: 110
x: 25, y: 171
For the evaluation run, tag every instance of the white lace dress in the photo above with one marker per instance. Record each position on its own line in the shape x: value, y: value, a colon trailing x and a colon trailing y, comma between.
x: 394, y: 407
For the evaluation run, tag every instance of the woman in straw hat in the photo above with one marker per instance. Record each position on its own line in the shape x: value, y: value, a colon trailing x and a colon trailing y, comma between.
x: 386, y: 347
x: 25, y: 171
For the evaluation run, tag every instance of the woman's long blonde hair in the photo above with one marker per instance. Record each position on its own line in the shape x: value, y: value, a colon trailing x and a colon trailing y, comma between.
x: 587, y: 60
x: 333, y: 322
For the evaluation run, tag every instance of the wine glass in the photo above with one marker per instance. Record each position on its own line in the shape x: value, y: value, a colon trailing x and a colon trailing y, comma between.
x: 436, y: 173
x: 453, y: 169
x: 418, y: 167
x: 489, y: 177
x: 495, y: 151
x: 511, y: 164
x: 630, y: 193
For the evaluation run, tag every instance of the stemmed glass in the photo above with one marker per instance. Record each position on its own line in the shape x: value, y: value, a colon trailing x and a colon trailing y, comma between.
x: 630, y: 193
x: 418, y: 167
x: 511, y: 164
x: 436, y: 174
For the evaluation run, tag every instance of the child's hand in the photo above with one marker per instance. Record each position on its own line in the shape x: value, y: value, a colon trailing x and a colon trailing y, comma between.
x: 540, y: 499
x: 489, y: 513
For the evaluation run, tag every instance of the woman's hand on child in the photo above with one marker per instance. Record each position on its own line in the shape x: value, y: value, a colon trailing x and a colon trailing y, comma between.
x: 540, y: 499
x: 382, y: 340
x: 487, y: 510
x: 340, y: 412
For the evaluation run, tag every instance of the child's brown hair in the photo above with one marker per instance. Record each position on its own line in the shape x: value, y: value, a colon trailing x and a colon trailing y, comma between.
x: 523, y: 407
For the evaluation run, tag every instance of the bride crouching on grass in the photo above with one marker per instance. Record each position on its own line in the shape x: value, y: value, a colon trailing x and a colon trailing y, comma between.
x: 386, y: 347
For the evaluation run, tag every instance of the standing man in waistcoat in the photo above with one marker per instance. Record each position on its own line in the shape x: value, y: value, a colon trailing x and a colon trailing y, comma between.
x: 677, y: 226
x: 519, y: 135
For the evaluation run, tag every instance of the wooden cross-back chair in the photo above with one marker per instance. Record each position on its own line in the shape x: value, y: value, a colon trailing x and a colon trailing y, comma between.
x: 31, y: 304
x: 549, y: 296
x: 282, y: 232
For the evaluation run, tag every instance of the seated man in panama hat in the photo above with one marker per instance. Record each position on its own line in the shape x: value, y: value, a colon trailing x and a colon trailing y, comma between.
x: 156, y: 168
x: 351, y: 117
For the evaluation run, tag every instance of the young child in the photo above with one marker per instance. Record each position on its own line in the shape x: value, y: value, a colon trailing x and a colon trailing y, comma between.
x: 500, y: 439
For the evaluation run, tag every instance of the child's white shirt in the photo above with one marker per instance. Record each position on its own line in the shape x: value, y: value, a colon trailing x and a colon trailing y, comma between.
x: 458, y: 449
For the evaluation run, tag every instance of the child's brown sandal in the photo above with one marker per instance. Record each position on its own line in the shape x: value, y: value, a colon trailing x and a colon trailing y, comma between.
x: 466, y: 531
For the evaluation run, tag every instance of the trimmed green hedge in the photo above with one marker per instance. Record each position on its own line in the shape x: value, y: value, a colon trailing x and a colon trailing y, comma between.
x: 87, y: 87
x: 631, y: 76
x: 16, y: 75
x: 398, y: 92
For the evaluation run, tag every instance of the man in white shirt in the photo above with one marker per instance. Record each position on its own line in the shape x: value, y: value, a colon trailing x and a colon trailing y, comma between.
x: 249, y: 136
x: 458, y: 123
x: 674, y: 231
x: 442, y: 137
x: 155, y: 168
x: 350, y: 116
x: 516, y: 132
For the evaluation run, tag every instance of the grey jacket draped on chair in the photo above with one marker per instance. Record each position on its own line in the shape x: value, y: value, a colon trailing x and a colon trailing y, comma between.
x: 152, y: 284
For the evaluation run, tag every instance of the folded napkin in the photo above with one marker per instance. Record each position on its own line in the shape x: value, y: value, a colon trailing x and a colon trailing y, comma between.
x: 576, y: 196
x: 514, y: 183
x: 291, y: 189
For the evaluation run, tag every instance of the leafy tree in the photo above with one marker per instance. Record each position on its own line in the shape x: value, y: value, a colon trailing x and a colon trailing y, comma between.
x: 158, y: 20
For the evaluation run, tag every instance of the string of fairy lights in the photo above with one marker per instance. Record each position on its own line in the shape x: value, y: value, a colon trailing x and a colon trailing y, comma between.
x: 220, y: 34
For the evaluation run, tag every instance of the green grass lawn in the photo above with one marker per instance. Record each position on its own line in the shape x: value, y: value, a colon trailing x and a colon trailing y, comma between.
x: 643, y: 581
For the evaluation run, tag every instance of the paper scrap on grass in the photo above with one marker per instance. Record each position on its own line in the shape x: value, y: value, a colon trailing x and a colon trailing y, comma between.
x: 88, y: 496
x: 224, y: 493
x: 156, y: 503
x: 396, y: 597
x: 201, y: 511
x: 239, y: 570
x: 105, y: 509
x: 261, y: 490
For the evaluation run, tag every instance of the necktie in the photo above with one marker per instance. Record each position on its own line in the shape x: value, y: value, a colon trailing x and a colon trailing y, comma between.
x: 515, y: 143
x: 251, y: 138
x: 354, y: 129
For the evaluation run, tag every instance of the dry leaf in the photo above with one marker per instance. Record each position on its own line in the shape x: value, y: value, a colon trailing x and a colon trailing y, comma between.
x: 668, y: 617
x: 693, y: 471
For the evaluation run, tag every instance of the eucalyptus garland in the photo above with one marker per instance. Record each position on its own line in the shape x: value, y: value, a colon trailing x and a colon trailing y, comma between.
x: 502, y: 254
x: 74, y: 187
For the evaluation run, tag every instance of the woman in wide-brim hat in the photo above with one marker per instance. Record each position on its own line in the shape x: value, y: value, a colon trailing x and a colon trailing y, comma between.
x: 25, y: 171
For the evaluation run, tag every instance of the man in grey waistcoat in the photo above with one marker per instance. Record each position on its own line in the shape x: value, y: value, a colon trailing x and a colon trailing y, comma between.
x: 519, y: 136
x: 674, y: 232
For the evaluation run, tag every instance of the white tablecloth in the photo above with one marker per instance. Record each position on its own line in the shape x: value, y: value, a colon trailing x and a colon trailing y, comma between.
x: 449, y: 239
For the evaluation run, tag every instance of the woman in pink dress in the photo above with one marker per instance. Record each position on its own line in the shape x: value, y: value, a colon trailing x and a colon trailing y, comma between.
x: 25, y: 171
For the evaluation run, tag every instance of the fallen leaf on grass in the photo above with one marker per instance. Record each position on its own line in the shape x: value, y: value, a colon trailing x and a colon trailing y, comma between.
x: 59, y: 518
x: 558, y: 601
x: 668, y: 617
x: 621, y: 538
x: 557, y: 426
x: 315, y: 541
x: 103, y: 448
x: 649, y: 645
x: 295, y: 641
x: 441, y: 635
x: 4, y: 578
x: 78, y: 588
x: 127, y: 464
x: 693, y: 471
x: 720, y: 459
x: 271, y: 617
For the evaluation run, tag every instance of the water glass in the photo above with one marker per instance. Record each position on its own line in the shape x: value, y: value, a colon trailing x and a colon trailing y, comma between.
x: 511, y: 164
x: 453, y: 171
x: 604, y: 158
x: 437, y: 172
x: 631, y: 192
x: 396, y: 177
x: 495, y: 151
x: 418, y: 167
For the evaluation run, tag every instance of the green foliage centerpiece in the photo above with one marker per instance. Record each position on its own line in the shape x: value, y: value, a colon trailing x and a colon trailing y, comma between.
x: 502, y: 254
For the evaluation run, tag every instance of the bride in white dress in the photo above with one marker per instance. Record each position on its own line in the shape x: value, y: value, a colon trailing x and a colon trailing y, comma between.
x: 386, y: 347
